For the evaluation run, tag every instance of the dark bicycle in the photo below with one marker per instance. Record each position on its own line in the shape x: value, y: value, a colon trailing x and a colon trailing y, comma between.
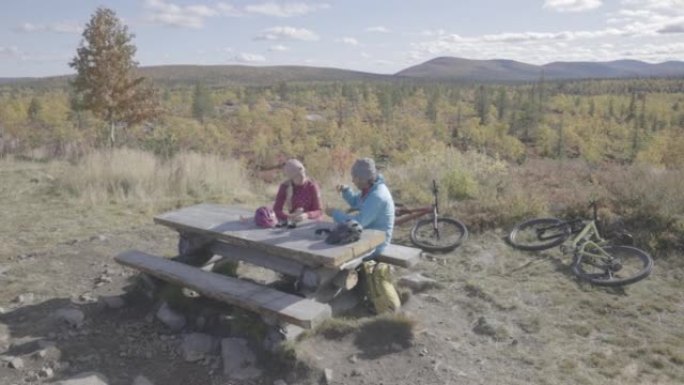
x: 435, y: 234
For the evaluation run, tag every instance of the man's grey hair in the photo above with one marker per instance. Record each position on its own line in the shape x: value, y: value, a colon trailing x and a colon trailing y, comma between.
x: 364, y: 169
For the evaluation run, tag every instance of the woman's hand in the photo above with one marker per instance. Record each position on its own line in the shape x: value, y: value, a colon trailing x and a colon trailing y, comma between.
x: 298, y: 215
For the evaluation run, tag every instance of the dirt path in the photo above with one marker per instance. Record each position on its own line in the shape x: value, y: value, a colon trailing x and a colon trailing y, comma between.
x: 498, y: 316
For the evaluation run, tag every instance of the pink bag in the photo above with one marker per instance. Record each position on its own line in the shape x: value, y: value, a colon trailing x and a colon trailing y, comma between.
x: 265, y: 217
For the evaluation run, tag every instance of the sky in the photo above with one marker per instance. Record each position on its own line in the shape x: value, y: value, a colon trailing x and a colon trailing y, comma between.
x: 39, y: 37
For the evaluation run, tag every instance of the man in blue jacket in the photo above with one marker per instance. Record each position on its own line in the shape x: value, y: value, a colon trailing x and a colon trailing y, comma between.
x: 373, y: 201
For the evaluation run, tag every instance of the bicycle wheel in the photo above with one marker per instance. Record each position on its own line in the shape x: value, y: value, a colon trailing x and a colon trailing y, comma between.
x: 447, y: 236
x: 539, y: 234
x: 625, y: 265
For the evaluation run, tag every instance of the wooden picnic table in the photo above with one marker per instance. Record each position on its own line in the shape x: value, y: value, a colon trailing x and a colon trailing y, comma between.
x: 229, y: 233
x: 235, y: 226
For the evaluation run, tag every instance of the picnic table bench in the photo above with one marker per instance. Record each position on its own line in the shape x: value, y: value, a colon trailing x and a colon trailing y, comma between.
x: 220, y: 234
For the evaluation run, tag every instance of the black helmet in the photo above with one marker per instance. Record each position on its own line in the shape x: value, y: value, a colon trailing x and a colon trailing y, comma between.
x: 347, y: 232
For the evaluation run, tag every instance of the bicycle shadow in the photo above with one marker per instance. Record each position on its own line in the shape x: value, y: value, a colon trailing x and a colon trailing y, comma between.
x: 565, y: 269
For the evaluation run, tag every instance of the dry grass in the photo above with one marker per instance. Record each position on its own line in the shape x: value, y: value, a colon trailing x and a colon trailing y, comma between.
x: 143, y: 180
x: 557, y: 327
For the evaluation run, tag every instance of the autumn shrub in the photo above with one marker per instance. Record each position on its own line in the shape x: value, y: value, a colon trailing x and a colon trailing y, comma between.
x: 478, y: 189
x: 651, y: 203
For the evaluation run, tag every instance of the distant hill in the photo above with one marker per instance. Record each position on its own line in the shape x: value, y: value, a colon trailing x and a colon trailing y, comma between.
x: 248, y: 75
x: 439, y: 69
x: 457, y: 69
x: 222, y: 75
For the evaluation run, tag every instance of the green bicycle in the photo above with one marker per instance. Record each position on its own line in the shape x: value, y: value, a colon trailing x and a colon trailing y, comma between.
x: 595, y: 259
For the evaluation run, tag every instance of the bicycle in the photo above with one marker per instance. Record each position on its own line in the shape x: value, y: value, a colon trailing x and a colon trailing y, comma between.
x: 595, y: 259
x: 434, y: 234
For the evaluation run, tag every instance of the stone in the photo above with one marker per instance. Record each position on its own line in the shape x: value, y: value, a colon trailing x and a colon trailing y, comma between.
x: 196, y: 346
x: 24, y: 299
x: 112, y: 301
x: 2, y: 310
x: 87, y: 378
x: 45, y: 344
x: 46, y: 373
x: 142, y: 380
x: 328, y: 376
x: 16, y: 363
x: 239, y: 361
x: 86, y: 297
x: 170, y: 318
x: 72, y: 317
x: 417, y: 282
x: 279, y: 382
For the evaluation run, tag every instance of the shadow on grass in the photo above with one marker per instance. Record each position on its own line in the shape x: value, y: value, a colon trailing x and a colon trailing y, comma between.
x: 384, y: 335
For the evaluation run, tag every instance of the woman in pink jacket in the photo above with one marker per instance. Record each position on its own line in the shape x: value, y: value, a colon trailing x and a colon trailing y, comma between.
x: 299, y: 197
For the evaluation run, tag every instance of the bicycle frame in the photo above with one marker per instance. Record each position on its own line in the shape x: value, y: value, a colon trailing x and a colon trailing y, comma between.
x: 589, y: 243
x: 410, y: 214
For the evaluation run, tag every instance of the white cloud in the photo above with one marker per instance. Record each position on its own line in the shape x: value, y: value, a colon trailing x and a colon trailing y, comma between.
x: 10, y: 52
x: 285, y: 9
x: 62, y: 27
x: 287, y: 33
x: 433, y: 32
x: 227, y: 9
x: 378, y: 28
x: 641, y: 29
x: 348, y: 41
x: 572, y: 5
x: 186, y: 16
x: 365, y: 55
x: 278, y: 48
x: 249, y: 58
x: 650, y: 16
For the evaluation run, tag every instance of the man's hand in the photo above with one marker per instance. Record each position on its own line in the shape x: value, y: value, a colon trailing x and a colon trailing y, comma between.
x: 340, y: 187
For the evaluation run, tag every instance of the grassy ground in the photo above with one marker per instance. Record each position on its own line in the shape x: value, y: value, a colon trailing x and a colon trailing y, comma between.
x: 499, y: 315
x: 508, y: 317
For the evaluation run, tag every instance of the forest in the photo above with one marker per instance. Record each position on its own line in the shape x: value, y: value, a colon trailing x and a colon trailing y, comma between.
x: 623, y: 121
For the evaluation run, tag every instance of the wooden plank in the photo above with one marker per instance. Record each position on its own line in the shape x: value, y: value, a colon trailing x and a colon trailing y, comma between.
x: 302, y: 244
x: 400, y: 255
x: 261, y: 299
x: 256, y: 257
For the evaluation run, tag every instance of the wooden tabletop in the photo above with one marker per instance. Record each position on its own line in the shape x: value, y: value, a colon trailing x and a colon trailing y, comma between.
x: 236, y: 226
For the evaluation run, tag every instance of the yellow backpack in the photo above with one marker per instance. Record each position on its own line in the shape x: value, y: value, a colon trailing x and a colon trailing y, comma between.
x: 379, y: 288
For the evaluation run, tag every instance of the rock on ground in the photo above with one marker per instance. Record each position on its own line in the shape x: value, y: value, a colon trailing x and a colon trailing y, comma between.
x: 328, y: 376
x: 196, y: 346
x: 16, y: 363
x: 142, y: 380
x: 239, y: 361
x: 170, y: 318
x: 417, y: 282
x: 87, y: 378
x: 112, y: 301
x: 73, y: 317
